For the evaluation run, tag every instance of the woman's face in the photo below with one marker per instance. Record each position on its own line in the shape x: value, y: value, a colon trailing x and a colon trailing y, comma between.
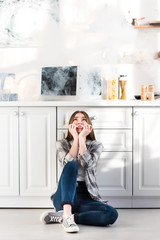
x: 79, y: 120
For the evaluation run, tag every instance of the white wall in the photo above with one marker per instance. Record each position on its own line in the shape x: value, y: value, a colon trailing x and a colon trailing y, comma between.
x: 91, y: 32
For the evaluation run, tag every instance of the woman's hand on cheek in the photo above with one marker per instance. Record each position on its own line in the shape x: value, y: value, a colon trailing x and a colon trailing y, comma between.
x: 72, y: 130
x: 86, y: 130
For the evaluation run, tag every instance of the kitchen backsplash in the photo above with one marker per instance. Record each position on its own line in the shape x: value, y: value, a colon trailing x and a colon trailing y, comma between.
x: 95, y: 36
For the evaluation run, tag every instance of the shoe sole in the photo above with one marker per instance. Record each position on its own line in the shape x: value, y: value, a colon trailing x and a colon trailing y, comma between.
x: 71, y: 230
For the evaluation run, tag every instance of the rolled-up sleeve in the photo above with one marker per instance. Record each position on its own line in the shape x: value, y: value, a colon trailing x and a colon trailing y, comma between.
x: 62, y: 151
x: 90, y: 157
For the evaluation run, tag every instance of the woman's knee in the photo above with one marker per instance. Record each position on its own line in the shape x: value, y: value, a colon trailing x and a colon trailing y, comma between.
x: 113, y: 215
x: 110, y: 215
x: 71, y: 166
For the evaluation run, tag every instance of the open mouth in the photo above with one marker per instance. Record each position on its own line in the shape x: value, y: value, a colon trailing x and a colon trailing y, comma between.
x: 79, y: 127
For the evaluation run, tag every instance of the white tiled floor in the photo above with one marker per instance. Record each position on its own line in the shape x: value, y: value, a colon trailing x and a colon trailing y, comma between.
x: 132, y: 224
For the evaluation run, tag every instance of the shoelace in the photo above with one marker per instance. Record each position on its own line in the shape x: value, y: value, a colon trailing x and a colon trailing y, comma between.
x: 70, y: 220
x: 55, y: 219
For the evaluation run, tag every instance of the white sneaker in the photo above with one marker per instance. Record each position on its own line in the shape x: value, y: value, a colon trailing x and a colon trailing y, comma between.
x: 69, y: 224
x: 51, y: 217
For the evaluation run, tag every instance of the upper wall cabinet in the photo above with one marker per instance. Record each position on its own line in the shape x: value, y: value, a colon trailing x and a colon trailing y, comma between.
x: 102, y: 117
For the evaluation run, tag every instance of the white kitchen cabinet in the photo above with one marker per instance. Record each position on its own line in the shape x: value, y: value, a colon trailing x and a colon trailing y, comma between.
x: 28, y: 155
x: 37, y: 151
x: 9, y: 161
x: 112, y: 127
x: 29, y: 171
x: 114, y: 174
x: 146, y: 152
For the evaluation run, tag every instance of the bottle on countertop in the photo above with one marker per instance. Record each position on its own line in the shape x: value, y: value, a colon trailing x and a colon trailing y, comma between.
x: 151, y: 93
x: 122, y: 86
x: 143, y: 92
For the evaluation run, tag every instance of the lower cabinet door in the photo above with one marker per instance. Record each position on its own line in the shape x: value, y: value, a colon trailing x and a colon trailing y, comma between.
x: 9, y: 161
x: 114, y: 174
x: 37, y: 151
x: 146, y: 151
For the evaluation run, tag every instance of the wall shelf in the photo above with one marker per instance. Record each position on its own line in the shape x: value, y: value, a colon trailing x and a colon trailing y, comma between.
x: 147, y: 26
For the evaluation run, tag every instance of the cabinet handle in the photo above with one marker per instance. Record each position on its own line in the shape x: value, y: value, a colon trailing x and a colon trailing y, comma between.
x: 93, y: 118
x: 21, y: 113
x: 15, y: 113
x: 136, y: 113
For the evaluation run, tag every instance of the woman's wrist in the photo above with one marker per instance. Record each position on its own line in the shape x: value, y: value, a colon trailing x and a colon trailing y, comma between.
x: 75, y: 137
x: 81, y: 137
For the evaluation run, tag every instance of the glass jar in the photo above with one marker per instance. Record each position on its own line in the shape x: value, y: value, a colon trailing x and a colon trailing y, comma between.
x: 122, y: 86
x: 143, y: 93
x: 112, y: 87
x: 151, y: 93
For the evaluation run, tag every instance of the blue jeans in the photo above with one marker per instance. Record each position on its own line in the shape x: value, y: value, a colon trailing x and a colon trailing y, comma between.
x: 86, y: 210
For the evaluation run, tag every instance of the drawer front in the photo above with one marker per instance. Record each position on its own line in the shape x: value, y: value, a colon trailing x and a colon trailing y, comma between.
x: 114, y: 174
x: 104, y: 117
x: 112, y: 140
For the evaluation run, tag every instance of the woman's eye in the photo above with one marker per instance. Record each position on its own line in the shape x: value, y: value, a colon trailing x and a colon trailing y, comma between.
x: 85, y: 120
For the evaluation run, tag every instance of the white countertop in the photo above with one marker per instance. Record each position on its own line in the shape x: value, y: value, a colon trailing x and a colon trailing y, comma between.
x: 97, y: 103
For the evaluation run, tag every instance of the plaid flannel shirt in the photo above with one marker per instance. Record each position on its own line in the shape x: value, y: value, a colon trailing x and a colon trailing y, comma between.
x: 88, y: 161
